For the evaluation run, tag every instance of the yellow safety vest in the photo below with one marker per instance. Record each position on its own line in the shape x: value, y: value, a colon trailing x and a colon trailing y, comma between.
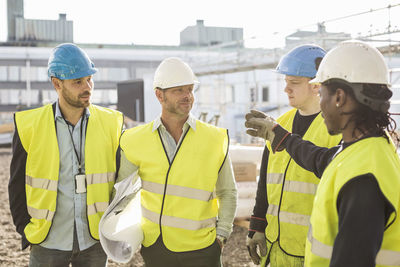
x: 289, y: 210
x: 36, y: 129
x: 178, y: 198
x: 373, y: 155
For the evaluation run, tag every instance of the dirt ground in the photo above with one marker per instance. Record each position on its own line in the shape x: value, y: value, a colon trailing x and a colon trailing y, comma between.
x: 234, y: 253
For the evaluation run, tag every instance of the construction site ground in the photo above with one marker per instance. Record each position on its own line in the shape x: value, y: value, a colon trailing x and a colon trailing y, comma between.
x: 234, y: 254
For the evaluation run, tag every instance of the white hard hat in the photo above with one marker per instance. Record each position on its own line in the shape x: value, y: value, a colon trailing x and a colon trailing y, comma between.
x: 173, y: 72
x: 123, y: 225
x: 354, y: 62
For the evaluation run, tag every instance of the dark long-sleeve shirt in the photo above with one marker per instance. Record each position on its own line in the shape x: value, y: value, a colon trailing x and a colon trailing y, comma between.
x: 363, y: 210
x: 16, y: 188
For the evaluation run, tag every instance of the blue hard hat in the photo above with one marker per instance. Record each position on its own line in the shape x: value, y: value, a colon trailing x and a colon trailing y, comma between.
x: 301, y: 61
x: 68, y: 61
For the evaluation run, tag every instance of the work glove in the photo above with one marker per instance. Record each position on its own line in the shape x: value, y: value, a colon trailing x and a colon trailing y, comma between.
x: 260, y: 125
x: 259, y: 241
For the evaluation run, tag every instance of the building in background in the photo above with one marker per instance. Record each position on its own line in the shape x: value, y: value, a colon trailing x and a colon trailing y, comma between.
x: 233, y: 78
x: 200, y: 35
x: 321, y: 37
x: 22, y: 31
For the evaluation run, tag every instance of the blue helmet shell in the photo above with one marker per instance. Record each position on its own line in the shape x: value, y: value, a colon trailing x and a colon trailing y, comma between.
x: 301, y: 61
x: 68, y: 61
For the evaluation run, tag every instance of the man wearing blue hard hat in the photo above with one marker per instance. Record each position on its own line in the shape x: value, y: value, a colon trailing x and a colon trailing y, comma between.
x: 63, y: 167
x: 285, y: 193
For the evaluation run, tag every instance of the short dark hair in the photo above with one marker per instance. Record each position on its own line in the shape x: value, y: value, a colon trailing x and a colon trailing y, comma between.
x: 317, y: 62
x: 365, y: 118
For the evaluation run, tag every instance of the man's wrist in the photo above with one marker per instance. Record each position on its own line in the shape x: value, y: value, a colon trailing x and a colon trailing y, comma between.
x: 221, y: 239
x: 280, y: 137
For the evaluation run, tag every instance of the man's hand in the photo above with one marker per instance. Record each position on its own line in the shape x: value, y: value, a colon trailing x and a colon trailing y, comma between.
x: 255, y: 114
x: 221, y: 241
x: 260, y: 125
x: 259, y: 241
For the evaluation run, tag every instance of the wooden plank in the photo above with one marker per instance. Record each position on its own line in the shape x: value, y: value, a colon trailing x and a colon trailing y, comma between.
x: 7, y: 128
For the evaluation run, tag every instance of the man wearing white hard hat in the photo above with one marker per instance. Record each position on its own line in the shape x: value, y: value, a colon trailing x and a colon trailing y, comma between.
x: 354, y: 221
x: 188, y: 196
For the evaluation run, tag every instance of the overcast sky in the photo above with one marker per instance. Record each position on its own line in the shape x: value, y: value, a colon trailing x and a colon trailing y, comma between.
x: 159, y: 22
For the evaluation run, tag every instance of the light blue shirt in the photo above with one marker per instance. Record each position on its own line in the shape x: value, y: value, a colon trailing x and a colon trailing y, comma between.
x: 225, y: 187
x: 71, y: 207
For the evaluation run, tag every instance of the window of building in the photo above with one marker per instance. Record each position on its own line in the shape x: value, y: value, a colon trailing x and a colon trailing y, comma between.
x: 229, y: 94
x: 253, y: 95
x: 35, y: 74
x: 42, y: 74
x: 112, y: 74
x: 265, y: 94
x: 3, y: 73
x: 13, y: 73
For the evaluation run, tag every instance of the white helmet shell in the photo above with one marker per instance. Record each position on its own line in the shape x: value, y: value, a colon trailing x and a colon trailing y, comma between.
x: 355, y: 62
x: 173, y: 72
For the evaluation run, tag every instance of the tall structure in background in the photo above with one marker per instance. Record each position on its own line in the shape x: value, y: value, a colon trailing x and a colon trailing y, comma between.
x: 321, y: 37
x: 200, y: 35
x: 15, y: 9
x: 23, y: 30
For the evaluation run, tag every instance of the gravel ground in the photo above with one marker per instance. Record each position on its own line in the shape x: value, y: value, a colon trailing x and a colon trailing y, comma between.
x: 234, y: 253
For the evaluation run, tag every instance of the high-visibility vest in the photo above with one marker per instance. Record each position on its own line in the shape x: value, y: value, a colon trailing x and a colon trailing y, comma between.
x: 36, y: 129
x: 291, y: 189
x: 178, y: 198
x: 374, y: 155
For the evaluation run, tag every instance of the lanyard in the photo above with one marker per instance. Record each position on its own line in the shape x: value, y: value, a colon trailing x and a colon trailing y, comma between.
x: 80, y: 143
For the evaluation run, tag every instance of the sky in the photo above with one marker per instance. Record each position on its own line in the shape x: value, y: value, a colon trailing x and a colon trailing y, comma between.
x: 159, y: 22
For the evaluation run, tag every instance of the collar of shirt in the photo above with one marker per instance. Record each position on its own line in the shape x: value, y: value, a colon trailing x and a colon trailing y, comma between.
x: 59, y: 114
x: 191, y: 122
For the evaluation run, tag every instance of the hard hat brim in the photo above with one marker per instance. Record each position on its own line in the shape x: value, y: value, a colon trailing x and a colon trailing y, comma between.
x: 315, y: 81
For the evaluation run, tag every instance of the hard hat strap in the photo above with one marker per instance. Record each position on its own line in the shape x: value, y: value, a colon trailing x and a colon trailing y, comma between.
x: 380, y: 105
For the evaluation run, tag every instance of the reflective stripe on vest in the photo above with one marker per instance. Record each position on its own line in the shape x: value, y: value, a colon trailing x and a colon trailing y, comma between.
x: 97, y: 207
x: 40, y: 214
x: 289, y: 217
x: 318, y: 248
x: 100, y: 178
x: 176, y: 190
x: 384, y: 257
x: 291, y: 189
x: 384, y: 164
x: 292, y: 186
x: 41, y: 183
x: 36, y: 129
x: 178, y: 222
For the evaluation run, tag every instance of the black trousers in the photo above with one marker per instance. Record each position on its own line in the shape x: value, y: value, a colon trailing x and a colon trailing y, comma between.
x: 157, y: 255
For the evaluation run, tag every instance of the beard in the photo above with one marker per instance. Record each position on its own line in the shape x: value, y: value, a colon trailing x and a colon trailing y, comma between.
x: 176, y: 108
x: 76, y: 102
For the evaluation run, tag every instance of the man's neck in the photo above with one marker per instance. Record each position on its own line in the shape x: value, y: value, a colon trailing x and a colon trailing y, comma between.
x: 310, y: 109
x: 71, y: 114
x: 174, y: 125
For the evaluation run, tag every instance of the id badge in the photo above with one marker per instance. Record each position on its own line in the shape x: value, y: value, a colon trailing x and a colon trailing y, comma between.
x: 80, y: 183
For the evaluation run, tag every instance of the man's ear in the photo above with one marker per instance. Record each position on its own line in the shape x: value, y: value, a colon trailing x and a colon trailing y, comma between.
x: 56, y: 83
x: 315, y: 88
x: 159, y: 95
